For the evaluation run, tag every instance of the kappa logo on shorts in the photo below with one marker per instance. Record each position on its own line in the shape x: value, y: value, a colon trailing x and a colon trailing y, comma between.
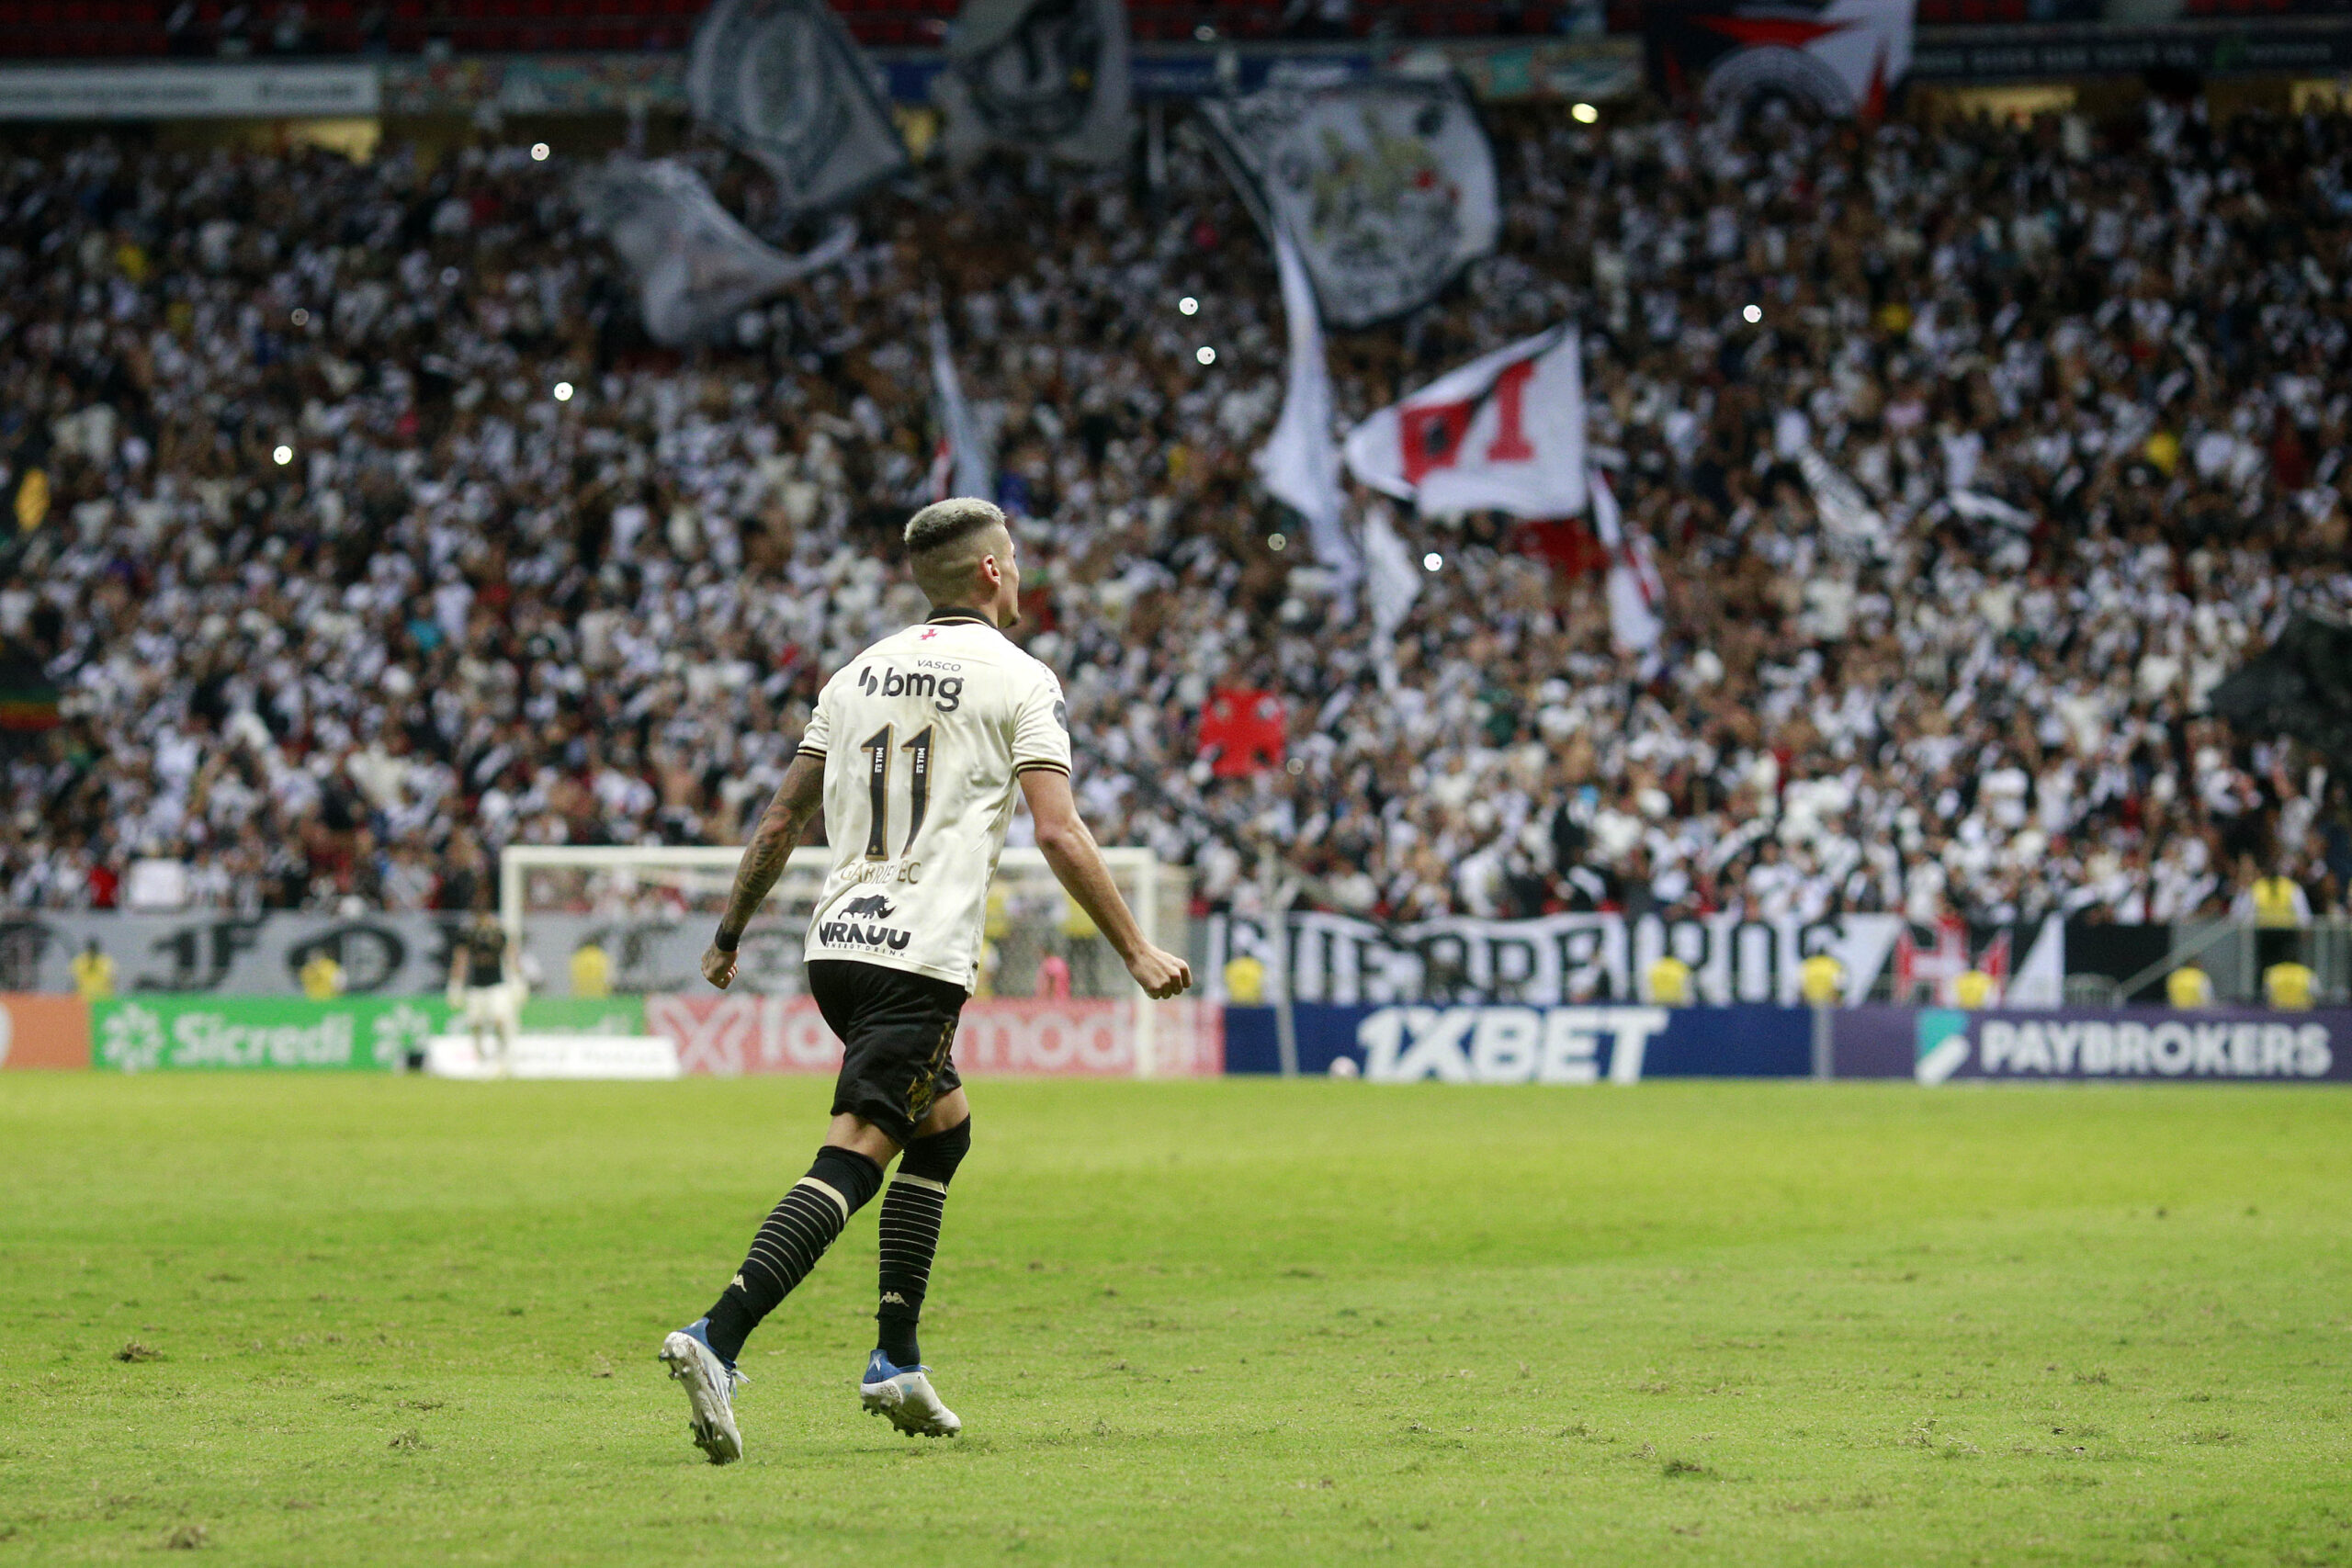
x: 873, y: 907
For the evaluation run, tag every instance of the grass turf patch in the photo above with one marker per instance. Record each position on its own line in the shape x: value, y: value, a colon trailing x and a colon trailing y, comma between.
x: 301, y: 1320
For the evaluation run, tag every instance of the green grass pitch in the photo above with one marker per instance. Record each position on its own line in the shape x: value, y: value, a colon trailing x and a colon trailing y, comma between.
x: 386, y: 1320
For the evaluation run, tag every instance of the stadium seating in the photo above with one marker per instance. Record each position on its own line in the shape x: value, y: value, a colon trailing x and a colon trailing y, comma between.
x: 2090, y: 406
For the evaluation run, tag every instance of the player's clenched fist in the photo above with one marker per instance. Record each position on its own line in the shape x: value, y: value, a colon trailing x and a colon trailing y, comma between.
x: 1160, y: 973
x: 717, y: 966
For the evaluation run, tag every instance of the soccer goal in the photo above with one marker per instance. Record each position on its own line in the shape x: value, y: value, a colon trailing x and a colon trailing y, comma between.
x: 633, y: 921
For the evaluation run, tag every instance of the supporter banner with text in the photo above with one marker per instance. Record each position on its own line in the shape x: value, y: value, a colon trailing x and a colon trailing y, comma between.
x: 407, y: 954
x: 351, y: 1033
x: 1387, y: 186
x: 1570, y: 958
x: 1086, y: 1036
x: 1934, y: 1045
x: 1525, y: 1044
x: 1554, y: 959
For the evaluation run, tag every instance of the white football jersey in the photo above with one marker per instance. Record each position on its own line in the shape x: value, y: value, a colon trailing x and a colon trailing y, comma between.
x: 923, y: 736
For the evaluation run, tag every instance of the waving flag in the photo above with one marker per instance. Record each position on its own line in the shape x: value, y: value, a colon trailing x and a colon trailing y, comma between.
x: 1637, y: 592
x: 1842, y: 56
x: 696, y: 265
x: 783, y: 81
x: 963, y: 459
x: 1298, y: 463
x: 1042, y: 75
x: 1387, y: 186
x: 1505, y: 433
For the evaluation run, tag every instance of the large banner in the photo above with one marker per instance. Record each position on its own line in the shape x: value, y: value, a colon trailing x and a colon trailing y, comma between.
x: 1934, y: 1045
x: 1559, y: 958
x: 1487, y: 1044
x: 1572, y: 958
x: 1552, y: 961
x: 365, y: 1034
x: 783, y: 81
x: 730, y: 1035
x: 1387, y: 186
x: 1843, y: 56
x: 1505, y: 433
x: 695, y: 266
x: 1042, y: 75
x: 217, y: 952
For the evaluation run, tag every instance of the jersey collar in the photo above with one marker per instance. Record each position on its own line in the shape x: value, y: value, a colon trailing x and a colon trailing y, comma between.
x: 957, y: 618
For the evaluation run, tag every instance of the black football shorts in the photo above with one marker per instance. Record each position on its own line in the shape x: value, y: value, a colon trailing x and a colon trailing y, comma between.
x: 896, y: 1029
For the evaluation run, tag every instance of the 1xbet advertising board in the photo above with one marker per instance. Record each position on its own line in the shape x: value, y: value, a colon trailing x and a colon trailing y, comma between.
x: 1936, y: 1046
x: 1525, y: 1044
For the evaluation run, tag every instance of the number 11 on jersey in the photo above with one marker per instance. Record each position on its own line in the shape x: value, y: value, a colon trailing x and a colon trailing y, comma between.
x: 877, y: 749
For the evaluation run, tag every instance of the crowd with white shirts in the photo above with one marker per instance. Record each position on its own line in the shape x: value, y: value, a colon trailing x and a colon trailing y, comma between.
x: 364, y: 532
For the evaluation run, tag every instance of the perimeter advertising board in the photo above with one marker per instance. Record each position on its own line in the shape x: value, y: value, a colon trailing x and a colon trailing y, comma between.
x: 352, y: 1033
x: 1078, y: 1036
x: 44, y: 1031
x: 1934, y: 1045
x: 364, y: 1033
x: 1492, y: 1044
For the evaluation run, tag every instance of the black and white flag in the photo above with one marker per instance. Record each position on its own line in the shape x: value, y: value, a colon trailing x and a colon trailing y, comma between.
x: 1300, y: 462
x: 962, y: 464
x: 1044, y: 75
x: 696, y: 265
x: 1387, y: 186
x: 785, y: 83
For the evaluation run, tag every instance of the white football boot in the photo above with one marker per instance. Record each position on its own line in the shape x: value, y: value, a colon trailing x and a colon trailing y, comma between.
x: 906, y: 1396
x: 710, y: 1389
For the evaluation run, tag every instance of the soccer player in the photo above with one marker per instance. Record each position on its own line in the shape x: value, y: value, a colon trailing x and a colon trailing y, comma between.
x: 486, y: 990
x: 913, y: 754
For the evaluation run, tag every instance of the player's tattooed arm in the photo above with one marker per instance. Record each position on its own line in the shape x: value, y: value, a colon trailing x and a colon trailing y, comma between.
x: 1069, y: 849
x: 797, y: 799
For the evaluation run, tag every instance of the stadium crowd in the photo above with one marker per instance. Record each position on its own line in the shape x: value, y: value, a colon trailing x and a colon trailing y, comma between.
x: 362, y: 532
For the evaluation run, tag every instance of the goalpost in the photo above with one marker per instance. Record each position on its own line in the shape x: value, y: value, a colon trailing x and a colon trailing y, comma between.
x: 649, y: 911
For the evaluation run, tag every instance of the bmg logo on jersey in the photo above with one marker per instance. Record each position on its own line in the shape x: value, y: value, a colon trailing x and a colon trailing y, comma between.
x: 947, y: 691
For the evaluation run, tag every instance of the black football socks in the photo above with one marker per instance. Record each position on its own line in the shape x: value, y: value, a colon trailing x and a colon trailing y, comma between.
x: 911, y: 1211
x: 797, y: 1234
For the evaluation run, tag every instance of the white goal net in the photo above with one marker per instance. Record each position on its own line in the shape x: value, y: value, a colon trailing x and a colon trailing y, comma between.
x: 1053, y: 997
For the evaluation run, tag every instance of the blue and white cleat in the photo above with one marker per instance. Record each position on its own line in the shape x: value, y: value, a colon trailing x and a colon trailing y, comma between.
x: 710, y: 1389
x: 906, y: 1396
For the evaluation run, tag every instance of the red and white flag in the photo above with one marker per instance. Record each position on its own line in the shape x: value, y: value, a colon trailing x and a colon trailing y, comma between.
x: 1504, y: 434
x: 959, y: 465
x: 1637, y: 592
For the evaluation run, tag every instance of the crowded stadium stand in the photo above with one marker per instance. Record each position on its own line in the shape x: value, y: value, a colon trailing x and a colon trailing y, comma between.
x: 336, y: 598
x: 363, y: 530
